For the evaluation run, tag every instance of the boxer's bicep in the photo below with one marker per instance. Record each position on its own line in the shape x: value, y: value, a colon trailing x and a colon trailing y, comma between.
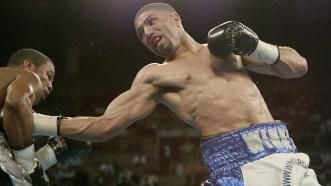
x: 124, y: 110
x: 133, y: 104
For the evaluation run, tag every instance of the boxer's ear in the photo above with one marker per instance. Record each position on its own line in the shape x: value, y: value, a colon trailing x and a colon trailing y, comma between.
x: 28, y: 65
x: 175, y: 17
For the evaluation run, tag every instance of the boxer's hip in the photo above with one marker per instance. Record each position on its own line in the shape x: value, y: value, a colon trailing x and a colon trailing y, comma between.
x: 226, y: 154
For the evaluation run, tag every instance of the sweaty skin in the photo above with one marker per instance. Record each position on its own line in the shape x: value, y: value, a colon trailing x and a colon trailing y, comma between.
x: 212, y: 95
x: 19, y: 91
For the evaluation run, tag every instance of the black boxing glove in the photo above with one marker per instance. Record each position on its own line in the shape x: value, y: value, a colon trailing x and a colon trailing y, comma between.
x: 60, y: 149
x: 66, y: 148
x: 38, y: 176
x: 40, y: 141
x: 234, y: 37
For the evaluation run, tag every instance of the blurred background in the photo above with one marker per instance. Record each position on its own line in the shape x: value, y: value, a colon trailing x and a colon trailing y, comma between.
x: 97, y: 54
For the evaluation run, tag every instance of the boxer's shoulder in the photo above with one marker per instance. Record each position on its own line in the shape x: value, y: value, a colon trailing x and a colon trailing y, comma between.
x: 19, y: 73
x: 28, y: 77
x: 150, y: 70
x: 17, y: 79
x: 150, y: 67
x: 145, y: 74
x: 10, y: 75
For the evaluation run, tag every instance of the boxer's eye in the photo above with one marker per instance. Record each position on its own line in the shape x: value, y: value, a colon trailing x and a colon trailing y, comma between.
x: 152, y: 21
x: 50, y: 76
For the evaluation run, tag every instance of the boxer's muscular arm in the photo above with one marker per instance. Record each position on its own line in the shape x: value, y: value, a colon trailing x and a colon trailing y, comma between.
x: 233, y: 37
x: 17, y: 113
x: 290, y: 64
x: 127, y: 108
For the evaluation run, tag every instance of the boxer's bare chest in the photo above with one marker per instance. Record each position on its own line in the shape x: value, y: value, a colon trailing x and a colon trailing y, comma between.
x: 197, y: 71
x: 202, y: 88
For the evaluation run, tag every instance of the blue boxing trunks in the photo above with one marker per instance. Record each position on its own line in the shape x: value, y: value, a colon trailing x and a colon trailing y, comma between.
x: 259, y: 155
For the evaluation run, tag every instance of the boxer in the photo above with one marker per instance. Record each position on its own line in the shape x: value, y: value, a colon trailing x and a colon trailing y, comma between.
x: 209, y: 88
x: 25, y: 82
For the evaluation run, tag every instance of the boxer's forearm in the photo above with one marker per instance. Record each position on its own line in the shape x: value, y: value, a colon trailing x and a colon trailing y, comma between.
x: 17, y: 122
x: 290, y: 64
x: 97, y: 129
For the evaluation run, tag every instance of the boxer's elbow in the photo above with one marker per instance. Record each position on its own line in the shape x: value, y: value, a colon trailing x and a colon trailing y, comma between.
x: 295, y: 64
x: 296, y: 69
x: 302, y: 67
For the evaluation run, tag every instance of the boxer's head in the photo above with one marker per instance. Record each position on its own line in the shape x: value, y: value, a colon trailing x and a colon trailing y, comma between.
x: 37, y: 62
x: 159, y: 27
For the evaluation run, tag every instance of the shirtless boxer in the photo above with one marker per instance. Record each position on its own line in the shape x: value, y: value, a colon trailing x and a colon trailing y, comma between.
x: 25, y: 82
x: 208, y: 87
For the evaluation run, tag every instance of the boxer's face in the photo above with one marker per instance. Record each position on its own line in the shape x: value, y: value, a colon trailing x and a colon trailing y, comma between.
x: 159, y: 31
x: 46, y: 74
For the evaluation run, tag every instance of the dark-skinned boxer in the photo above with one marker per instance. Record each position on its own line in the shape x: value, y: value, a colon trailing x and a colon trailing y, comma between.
x: 25, y: 82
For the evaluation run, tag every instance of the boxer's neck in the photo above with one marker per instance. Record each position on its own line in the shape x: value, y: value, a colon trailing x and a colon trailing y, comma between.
x: 186, y: 46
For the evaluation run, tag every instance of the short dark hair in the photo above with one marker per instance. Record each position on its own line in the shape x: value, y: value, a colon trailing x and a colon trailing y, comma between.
x: 35, y: 56
x: 154, y: 6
